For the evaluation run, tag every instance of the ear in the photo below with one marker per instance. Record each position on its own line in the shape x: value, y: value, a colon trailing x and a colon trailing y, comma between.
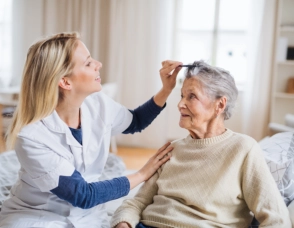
x: 65, y: 83
x: 221, y: 105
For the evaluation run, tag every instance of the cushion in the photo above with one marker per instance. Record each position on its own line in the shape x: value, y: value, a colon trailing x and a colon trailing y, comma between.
x: 291, y: 212
x: 279, y: 154
x: 9, y: 167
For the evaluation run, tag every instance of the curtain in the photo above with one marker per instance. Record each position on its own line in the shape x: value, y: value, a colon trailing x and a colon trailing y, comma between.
x: 34, y: 19
x: 141, y: 37
x: 256, y: 100
x: 5, y: 42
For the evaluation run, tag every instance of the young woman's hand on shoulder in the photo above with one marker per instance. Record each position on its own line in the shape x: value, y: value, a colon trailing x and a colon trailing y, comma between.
x: 159, y: 158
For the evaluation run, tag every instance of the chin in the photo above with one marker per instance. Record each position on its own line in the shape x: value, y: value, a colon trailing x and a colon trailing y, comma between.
x: 182, y: 125
x: 99, y: 88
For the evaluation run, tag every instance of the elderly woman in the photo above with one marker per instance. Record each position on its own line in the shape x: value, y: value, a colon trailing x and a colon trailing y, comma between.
x: 215, y: 177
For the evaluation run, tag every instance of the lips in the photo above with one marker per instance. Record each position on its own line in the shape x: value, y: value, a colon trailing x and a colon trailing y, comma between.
x: 184, y: 115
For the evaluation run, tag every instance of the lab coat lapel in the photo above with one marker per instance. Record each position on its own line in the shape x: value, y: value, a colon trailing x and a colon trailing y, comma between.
x: 86, y: 126
x: 90, y: 132
x: 55, y: 124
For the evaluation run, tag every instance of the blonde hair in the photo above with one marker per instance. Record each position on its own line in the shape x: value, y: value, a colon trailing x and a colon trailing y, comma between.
x: 48, y: 60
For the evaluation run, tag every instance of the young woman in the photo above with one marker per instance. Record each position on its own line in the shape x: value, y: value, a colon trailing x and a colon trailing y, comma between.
x: 61, y: 133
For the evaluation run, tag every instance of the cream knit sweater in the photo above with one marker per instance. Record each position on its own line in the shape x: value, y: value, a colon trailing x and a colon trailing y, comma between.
x: 213, y: 182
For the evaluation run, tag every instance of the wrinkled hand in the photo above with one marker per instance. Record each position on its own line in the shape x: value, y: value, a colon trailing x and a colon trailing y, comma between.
x: 159, y: 158
x: 122, y: 225
x: 168, y: 73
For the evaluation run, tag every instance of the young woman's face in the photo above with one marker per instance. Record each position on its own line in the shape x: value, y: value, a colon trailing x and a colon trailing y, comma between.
x: 85, y: 77
x: 196, y: 108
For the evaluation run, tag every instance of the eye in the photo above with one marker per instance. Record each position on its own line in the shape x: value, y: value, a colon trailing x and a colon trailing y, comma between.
x: 88, y: 64
x: 192, y: 96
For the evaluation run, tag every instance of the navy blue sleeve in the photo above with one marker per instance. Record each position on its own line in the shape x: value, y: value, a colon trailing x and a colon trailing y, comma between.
x: 143, y: 116
x: 75, y: 190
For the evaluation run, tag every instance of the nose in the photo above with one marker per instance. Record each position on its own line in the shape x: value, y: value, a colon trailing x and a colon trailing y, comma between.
x: 181, y: 104
x: 98, y: 65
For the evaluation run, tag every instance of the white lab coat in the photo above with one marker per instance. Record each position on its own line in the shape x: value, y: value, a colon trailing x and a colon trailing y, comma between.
x: 46, y: 150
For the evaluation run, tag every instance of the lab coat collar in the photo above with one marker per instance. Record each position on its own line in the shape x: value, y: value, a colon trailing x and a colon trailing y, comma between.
x: 55, y: 124
x: 86, y: 125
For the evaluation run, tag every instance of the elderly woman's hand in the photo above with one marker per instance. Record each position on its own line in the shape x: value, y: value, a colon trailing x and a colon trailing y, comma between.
x: 168, y: 73
x: 122, y: 225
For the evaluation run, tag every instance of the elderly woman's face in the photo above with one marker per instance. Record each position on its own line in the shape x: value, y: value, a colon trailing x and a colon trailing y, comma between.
x: 196, y: 108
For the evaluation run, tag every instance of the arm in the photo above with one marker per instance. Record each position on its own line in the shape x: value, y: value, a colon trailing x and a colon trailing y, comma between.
x: 143, y: 116
x: 130, y: 211
x: 261, y: 193
x: 146, y: 113
x: 48, y: 171
x: 75, y: 190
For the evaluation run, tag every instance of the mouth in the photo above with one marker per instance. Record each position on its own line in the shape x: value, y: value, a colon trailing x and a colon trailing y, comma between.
x: 184, y: 115
x: 98, y: 79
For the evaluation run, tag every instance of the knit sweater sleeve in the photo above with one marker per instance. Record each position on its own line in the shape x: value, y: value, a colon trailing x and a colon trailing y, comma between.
x: 130, y: 211
x: 261, y: 193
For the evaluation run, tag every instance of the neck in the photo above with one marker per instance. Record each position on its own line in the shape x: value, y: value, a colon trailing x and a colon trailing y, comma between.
x: 69, y: 112
x: 212, y: 129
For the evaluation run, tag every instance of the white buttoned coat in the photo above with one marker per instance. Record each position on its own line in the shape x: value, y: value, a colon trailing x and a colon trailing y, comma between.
x: 47, y: 150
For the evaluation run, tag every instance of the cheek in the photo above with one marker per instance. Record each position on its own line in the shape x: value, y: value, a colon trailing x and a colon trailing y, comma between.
x: 84, y: 77
x: 194, y: 109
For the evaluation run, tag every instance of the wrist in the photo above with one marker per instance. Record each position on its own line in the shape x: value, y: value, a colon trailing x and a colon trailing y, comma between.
x: 161, y: 97
x: 136, y: 178
x: 141, y: 176
x: 166, y: 91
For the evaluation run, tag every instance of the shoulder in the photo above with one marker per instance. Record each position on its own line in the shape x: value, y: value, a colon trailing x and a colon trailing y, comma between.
x: 41, y: 129
x: 31, y: 137
x: 178, y: 142
x: 32, y: 130
x: 247, y: 148
x: 243, y: 141
x: 49, y: 132
x: 98, y: 98
x: 100, y: 104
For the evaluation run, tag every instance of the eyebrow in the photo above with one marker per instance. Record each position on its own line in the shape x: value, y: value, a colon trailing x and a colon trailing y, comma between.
x: 190, y: 91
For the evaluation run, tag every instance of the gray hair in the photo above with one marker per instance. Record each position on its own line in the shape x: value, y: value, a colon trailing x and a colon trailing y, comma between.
x: 217, y: 83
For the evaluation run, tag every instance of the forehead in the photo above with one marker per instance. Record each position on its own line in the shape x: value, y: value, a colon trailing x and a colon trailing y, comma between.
x: 191, y: 85
x: 81, y: 53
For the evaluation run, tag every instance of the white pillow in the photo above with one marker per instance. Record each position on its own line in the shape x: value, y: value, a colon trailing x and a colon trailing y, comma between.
x: 291, y: 212
x: 279, y: 154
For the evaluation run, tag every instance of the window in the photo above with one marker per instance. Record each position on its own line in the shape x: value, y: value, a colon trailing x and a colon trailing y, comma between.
x: 5, y: 42
x: 214, y: 31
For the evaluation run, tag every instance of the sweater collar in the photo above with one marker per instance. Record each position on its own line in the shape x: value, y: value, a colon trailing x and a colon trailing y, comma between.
x: 208, y: 141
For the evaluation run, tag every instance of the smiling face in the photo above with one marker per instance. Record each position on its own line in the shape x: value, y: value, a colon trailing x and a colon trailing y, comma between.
x: 197, y: 110
x: 85, y: 78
